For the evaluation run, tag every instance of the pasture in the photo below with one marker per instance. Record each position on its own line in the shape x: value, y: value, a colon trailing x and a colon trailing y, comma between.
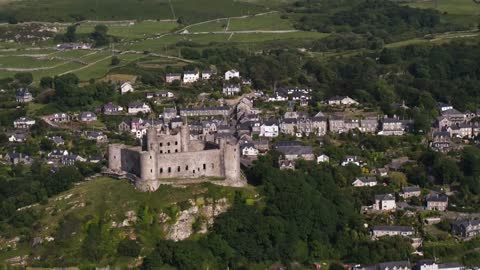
x: 134, y: 30
x: 451, y: 7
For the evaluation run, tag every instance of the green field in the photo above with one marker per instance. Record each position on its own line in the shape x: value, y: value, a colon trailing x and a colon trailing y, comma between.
x: 137, y: 30
x: 213, y: 26
x: 27, y: 62
x: 452, y: 7
x: 67, y: 10
x: 270, y: 21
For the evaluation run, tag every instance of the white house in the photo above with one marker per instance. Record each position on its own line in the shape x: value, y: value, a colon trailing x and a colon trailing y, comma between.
x: 207, y: 74
x: 233, y: 73
x: 380, y: 231
x: 351, y: 160
x: 385, y: 202
x: 23, y: 122
x: 365, y: 182
x: 138, y: 107
x: 323, y: 158
x: 231, y: 89
x: 342, y: 100
x: 249, y: 150
x: 269, y: 129
x: 18, y: 138
x: 126, y: 87
x: 191, y: 76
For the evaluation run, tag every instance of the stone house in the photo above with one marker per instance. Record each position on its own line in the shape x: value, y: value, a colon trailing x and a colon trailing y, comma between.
x: 97, y: 136
x: 454, y: 116
x: 441, y: 141
x: 171, y: 77
x: 208, y: 73
x: 438, y: 202
x: 391, y: 127
x: 466, y: 228
x: 461, y: 130
x: 248, y: 149
x: 410, y: 191
x: 23, y: 123
x: 205, y: 111
x: 296, y: 152
x: 323, y: 158
x: 385, y: 202
x: 369, y: 125
x: 18, y: 158
x: 336, y: 124
x: 71, y: 159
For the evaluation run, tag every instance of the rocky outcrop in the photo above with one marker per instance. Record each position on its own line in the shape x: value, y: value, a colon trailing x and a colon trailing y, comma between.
x: 195, y: 219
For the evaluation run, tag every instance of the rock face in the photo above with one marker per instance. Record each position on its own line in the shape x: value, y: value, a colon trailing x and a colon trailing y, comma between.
x: 201, y: 216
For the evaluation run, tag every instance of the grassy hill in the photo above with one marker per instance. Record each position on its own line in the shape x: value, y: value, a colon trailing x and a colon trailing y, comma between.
x: 70, y: 10
x: 67, y: 217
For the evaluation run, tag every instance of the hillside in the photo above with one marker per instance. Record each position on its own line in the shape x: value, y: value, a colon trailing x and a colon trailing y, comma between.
x: 69, y: 10
x: 67, y: 221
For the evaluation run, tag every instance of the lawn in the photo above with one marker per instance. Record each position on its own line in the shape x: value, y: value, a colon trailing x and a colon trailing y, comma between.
x: 264, y: 37
x: 452, y: 7
x: 214, y: 26
x: 271, y: 21
x: 101, y: 68
x: 137, y: 30
x: 27, y: 62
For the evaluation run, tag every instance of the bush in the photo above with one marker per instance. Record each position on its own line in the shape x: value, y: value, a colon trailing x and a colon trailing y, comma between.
x: 129, y: 248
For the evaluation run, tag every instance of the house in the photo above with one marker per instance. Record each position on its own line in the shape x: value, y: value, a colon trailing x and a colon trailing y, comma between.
x: 466, y: 228
x: 410, y: 191
x: 352, y: 160
x: 323, y: 158
x: 277, y: 97
x: 57, y: 140
x: 365, y: 182
x: 17, y: 138
x: 336, y: 124
x: 342, y: 101
x: 70, y: 160
x: 23, y: 96
x: 18, y: 158
x: 400, y: 265
x: 169, y: 113
x: 381, y: 172
x: 385, y: 202
x: 296, y: 152
x: 433, y: 265
x: 230, y: 74
x: 171, y: 77
x: 391, y: 127
x: 73, y: 46
x: 380, y: 231
x: 437, y: 202
x: 369, y: 125
x: 99, y: 137
x: 231, y: 89
x: 205, y: 111
x: 191, y: 76
x: 59, y: 118
x: 441, y: 141
x: 208, y: 73
x: 126, y: 87
x: 57, y: 154
x: 461, y: 130
x: 454, y: 116
x: 269, y: 129
x: 138, y: 107
x: 23, y: 123
x: 111, y: 108
x: 286, y: 164
x: 248, y: 149
x: 88, y: 117
x: 444, y: 106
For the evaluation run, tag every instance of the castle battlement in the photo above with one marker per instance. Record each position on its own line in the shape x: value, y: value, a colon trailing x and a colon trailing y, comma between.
x: 172, y: 154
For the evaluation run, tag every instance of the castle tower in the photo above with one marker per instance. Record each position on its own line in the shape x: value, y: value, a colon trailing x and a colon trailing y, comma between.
x: 148, y: 168
x: 231, y: 159
x: 151, y: 143
x: 184, y: 137
x: 115, y: 157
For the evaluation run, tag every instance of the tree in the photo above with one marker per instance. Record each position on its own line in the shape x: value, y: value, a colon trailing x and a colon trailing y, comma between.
x: 71, y: 34
x: 46, y: 82
x: 99, y: 35
x: 129, y: 248
x: 25, y: 78
x: 115, y: 61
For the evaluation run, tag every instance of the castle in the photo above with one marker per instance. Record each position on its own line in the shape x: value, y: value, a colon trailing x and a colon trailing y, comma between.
x: 172, y: 154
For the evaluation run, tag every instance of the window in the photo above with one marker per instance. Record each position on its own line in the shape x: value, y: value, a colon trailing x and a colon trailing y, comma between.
x: 193, y: 171
x: 186, y: 168
x: 169, y: 151
x: 168, y: 144
x: 213, y: 166
x: 178, y: 169
x: 169, y: 170
x: 161, y: 151
x: 150, y: 157
x: 161, y: 170
x: 161, y: 144
x: 176, y: 150
x: 204, y: 166
x: 176, y: 143
x: 114, y: 157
